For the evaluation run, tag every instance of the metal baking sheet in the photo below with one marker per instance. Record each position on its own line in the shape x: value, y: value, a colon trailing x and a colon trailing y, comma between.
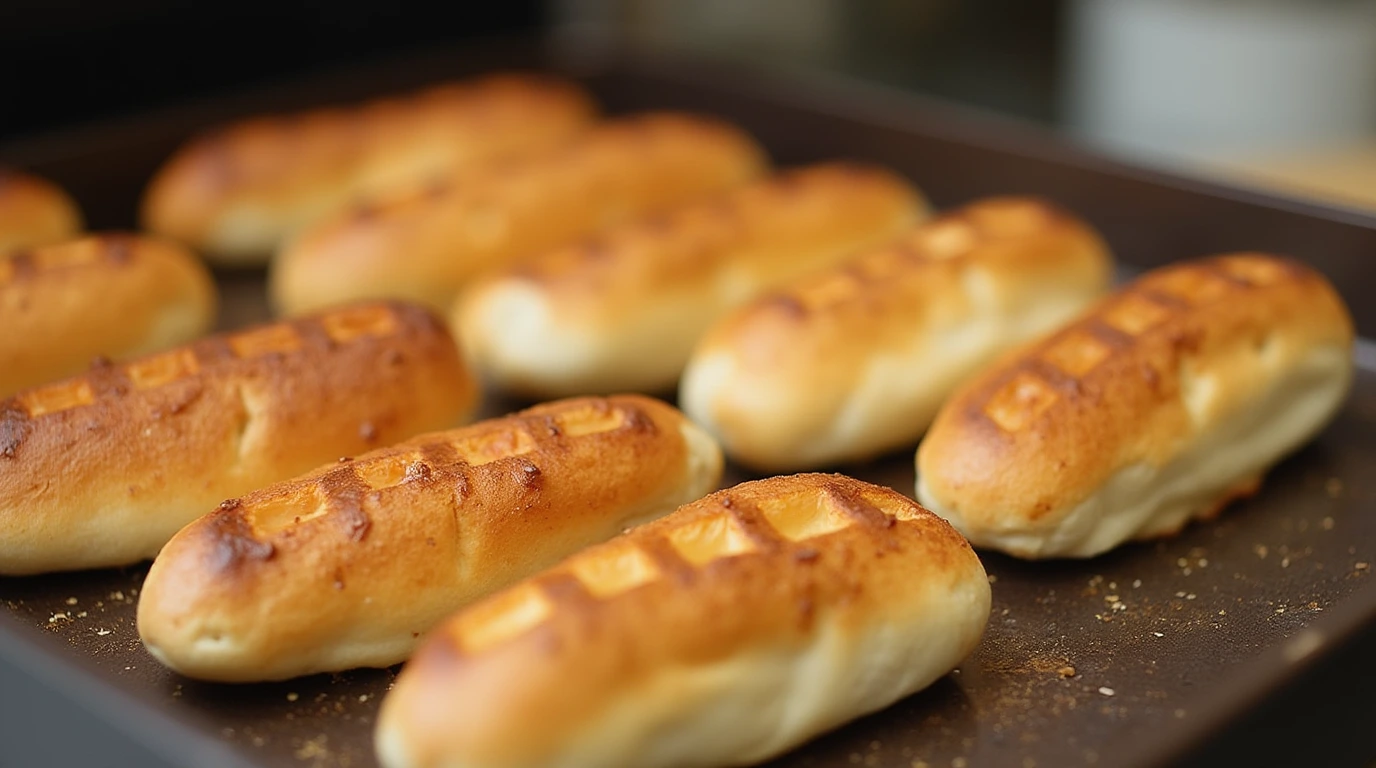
x: 1154, y: 654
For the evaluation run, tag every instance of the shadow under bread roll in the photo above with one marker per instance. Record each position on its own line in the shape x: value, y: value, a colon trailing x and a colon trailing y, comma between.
x: 109, y: 295
x: 850, y: 362
x: 101, y: 469
x: 622, y: 310
x: 1158, y: 406
x: 423, y: 243
x: 34, y: 212
x: 348, y: 565
x: 726, y: 633
x: 237, y: 192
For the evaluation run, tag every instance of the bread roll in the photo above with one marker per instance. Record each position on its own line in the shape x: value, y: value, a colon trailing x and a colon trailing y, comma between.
x: 1158, y: 406
x: 732, y: 630
x: 423, y: 243
x: 237, y: 192
x: 115, y: 296
x: 101, y: 470
x: 853, y: 361
x: 348, y: 565
x: 621, y: 311
x: 34, y: 212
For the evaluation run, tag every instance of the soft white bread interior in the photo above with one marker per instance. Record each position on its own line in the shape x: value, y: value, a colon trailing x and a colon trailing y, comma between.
x: 730, y: 631
x: 348, y: 565
x: 1158, y: 406
x: 621, y: 311
x: 852, y: 361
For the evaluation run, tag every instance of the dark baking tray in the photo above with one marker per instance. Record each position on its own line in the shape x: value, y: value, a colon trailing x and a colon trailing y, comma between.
x: 1249, y: 637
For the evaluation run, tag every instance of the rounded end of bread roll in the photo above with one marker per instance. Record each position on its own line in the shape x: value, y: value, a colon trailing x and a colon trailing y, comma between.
x: 730, y: 631
x: 34, y: 212
x: 1156, y: 407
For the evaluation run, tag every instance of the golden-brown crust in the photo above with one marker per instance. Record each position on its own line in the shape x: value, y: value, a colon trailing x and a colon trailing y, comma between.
x: 424, y: 242
x: 851, y: 361
x: 109, y: 295
x: 637, y: 297
x: 348, y: 564
x: 276, y: 173
x: 34, y: 212
x: 769, y: 566
x: 1053, y: 421
x: 148, y: 445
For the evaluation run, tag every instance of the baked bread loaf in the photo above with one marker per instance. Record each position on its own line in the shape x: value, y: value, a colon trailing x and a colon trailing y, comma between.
x: 348, y: 565
x: 100, y: 470
x: 1158, y: 406
x: 423, y: 243
x: 622, y: 310
x: 237, y: 192
x: 115, y: 296
x: 732, y: 630
x: 34, y: 212
x: 853, y: 361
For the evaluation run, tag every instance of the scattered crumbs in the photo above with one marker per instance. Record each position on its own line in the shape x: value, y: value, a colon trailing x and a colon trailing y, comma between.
x: 177, y: 692
x: 56, y: 617
x: 81, y: 614
x: 126, y: 669
x: 1361, y: 566
x: 362, y: 698
x: 1158, y: 634
x: 1005, y: 612
x: 993, y: 579
x: 1261, y: 551
x: 1105, y: 690
x: 1280, y: 609
x: 1334, y: 486
x: 1180, y: 594
x: 1191, y: 596
x: 1285, y: 562
x: 258, y: 741
x: 1186, y: 570
x: 1066, y: 671
x: 1179, y: 713
x: 117, y: 595
x: 958, y: 762
x: 1113, y: 585
x: 313, y: 749
x: 1136, y: 583
x: 1182, y: 562
x: 1110, y: 598
x: 1203, y: 562
x: 293, y: 696
x: 71, y: 601
x: 1222, y: 612
x: 102, y: 632
x: 1326, y: 523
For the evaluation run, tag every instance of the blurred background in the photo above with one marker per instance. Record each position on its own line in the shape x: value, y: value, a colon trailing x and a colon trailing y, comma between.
x: 1276, y: 92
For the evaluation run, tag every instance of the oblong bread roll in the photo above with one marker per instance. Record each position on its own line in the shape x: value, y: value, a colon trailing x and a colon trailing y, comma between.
x: 855, y: 360
x: 237, y: 192
x: 101, y: 469
x: 108, y: 295
x: 1158, y: 406
x: 732, y: 630
x: 348, y: 565
x: 34, y: 212
x: 621, y: 311
x: 425, y: 242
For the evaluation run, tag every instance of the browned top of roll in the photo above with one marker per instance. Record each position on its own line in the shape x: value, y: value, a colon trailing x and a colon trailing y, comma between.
x: 1052, y: 420
x: 744, y: 569
x: 276, y: 160
x: 34, y: 212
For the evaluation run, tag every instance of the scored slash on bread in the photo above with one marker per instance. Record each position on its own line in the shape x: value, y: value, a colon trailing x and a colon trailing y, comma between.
x: 1155, y: 407
x: 348, y: 565
x: 725, y: 633
x: 101, y: 469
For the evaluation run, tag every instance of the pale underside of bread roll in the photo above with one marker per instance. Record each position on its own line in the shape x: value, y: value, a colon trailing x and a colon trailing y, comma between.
x: 853, y: 361
x: 100, y: 470
x: 113, y: 296
x: 347, y: 566
x: 424, y: 243
x: 728, y: 632
x: 1157, y: 407
x: 621, y: 311
x: 238, y: 192
x: 34, y: 212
